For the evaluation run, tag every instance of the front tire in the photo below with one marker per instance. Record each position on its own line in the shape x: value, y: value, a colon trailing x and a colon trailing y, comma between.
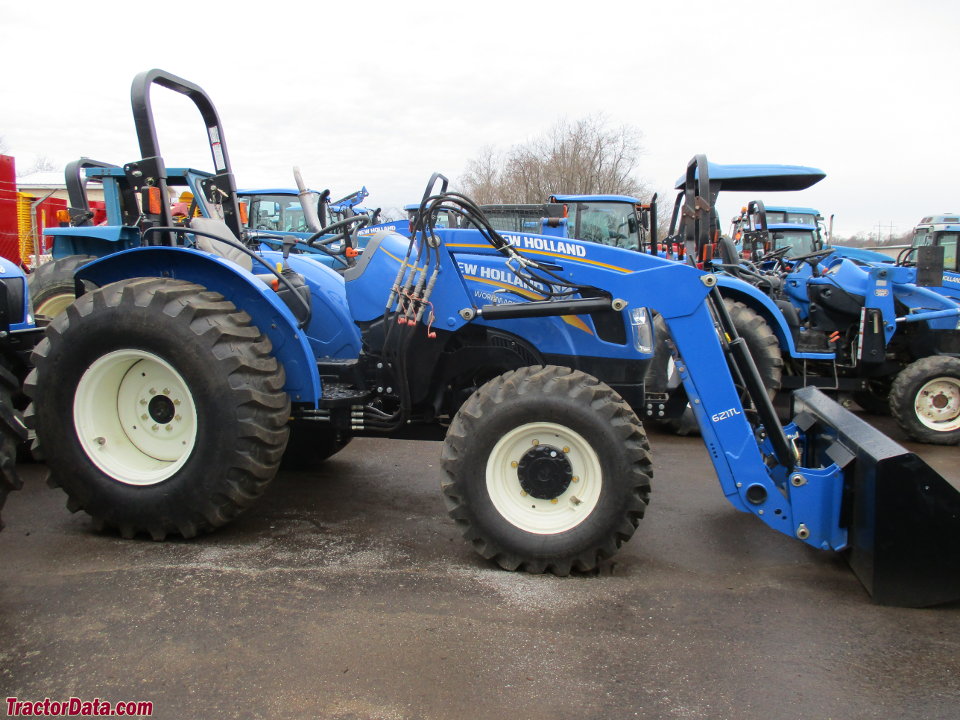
x: 925, y: 400
x: 158, y: 407
x: 548, y: 469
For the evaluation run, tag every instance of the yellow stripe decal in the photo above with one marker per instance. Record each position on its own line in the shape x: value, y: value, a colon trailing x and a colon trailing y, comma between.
x: 569, y: 319
x: 549, y: 254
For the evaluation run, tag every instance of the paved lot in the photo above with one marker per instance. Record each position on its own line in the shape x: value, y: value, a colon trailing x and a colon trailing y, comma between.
x: 348, y: 594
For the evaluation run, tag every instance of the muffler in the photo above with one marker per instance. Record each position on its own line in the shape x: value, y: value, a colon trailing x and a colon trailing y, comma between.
x: 902, y: 517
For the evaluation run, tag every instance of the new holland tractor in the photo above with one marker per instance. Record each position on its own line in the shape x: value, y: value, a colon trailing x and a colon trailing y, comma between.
x: 164, y: 398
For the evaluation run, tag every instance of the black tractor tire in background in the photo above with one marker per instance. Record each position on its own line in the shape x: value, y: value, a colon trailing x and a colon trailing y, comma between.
x: 547, y: 470
x: 12, y: 433
x: 310, y: 444
x: 761, y: 341
x: 925, y: 400
x: 876, y: 398
x: 158, y: 407
x: 52, y: 286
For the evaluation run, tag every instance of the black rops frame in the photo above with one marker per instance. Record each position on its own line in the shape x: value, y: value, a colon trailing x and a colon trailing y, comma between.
x: 220, y: 189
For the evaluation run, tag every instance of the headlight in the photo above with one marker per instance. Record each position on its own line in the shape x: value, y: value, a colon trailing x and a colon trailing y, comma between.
x: 642, y: 326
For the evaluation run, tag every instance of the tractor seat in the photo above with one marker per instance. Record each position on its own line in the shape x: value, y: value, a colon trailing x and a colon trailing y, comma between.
x: 223, y: 248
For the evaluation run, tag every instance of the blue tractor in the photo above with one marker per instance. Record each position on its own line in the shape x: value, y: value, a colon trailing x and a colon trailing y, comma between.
x: 18, y: 335
x: 870, y: 331
x: 936, y: 231
x: 182, y: 376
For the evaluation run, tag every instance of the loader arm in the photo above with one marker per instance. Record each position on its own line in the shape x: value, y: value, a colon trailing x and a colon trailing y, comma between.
x: 818, y: 479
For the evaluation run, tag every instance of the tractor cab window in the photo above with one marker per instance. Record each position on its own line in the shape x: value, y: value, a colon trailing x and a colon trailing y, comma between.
x: 782, y: 217
x: 800, y: 242
x: 948, y: 240
x: 276, y: 213
x: 921, y: 237
x: 800, y: 219
x: 607, y: 223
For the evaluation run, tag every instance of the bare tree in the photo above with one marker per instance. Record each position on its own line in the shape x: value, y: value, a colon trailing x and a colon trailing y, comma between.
x: 41, y: 164
x: 583, y: 157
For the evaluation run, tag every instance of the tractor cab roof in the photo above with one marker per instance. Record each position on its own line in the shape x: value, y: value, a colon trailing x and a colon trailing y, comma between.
x: 594, y: 198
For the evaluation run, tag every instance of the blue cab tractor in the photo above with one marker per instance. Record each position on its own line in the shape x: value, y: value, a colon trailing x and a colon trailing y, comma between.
x: 165, y: 400
x: 760, y: 229
x: 937, y: 231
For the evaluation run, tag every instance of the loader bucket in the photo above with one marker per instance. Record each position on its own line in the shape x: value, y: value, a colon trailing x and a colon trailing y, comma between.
x: 902, y: 517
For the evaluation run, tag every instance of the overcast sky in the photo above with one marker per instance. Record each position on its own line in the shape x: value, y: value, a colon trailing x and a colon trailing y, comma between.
x: 383, y: 94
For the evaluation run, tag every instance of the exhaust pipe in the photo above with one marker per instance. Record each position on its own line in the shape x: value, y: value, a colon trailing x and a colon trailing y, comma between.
x: 902, y: 517
x: 308, y: 201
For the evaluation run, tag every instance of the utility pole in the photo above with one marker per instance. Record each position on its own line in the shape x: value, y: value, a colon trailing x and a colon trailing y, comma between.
x: 890, y: 228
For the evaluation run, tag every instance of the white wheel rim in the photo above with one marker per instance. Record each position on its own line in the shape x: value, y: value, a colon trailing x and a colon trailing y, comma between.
x: 135, y: 417
x: 937, y: 404
x: 543, y: 516
x: 55, y: 305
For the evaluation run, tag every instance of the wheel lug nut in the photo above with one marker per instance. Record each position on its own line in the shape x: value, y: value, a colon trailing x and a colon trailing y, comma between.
x: 144, y: 417
x: 536, y: 442
x: 566, y: 450
x: 514, y: 464
x: 554, y: 501
x: 575, y: 479
x: 523, y: 493
x: 155, y: 428
x: 166, y: 391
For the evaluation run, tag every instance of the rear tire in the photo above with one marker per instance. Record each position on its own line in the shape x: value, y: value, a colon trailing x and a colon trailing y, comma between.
x: 12, y: 433
x: 925, y: 400
x: 52, y: 286
x: 876, y: 399
x: 761, y: 341
x: 158, y: 407
x: 548, y: 469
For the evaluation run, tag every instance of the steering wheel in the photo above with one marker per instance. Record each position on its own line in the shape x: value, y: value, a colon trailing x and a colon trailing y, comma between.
x: 344, y: 228
x: 775, y: 257
x: 810, y: 258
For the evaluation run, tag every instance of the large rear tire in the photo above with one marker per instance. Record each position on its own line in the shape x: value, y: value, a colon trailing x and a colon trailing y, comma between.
x: 548, y: 469
x: 158, y: 407
x: 925, y: 400
x: 761, y: 341
x: 52, y: 286
x: 12, y: 433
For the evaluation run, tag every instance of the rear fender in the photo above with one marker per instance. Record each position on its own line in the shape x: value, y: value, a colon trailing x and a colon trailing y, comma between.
x: 248, y: 293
